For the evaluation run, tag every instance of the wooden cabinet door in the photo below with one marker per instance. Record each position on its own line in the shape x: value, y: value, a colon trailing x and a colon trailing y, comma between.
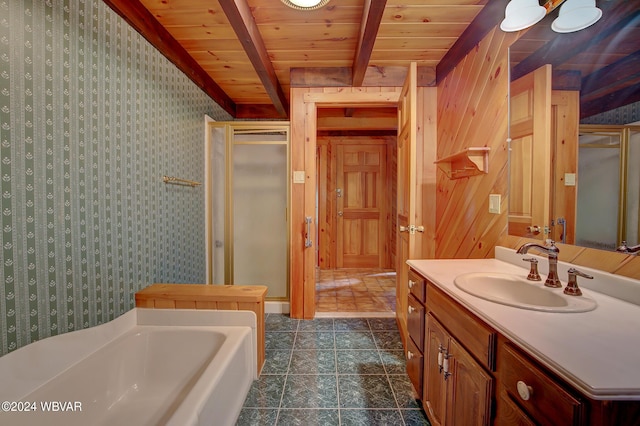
x: 469, y: 390
x: 435, y: 390
x: 460, y: 393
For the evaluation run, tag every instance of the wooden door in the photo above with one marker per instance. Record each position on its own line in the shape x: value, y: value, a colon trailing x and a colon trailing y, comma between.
x: 406, y: 245
x: 361, y: 210
x: 435, y: 385
x: 469, y: 389
x: 530, y: 156
x: 565, y: 107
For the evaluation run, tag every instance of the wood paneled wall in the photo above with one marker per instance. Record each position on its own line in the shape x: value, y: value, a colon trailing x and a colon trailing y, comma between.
x: 472, y: 112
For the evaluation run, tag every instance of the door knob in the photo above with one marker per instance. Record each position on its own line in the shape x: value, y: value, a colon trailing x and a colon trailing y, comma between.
x: 340, y: 213
x: 534, y: 229
x: 412, y: 229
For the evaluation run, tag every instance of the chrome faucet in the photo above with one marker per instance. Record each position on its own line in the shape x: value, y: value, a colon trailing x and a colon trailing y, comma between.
x: 552, y: 254
x: 626, y: 249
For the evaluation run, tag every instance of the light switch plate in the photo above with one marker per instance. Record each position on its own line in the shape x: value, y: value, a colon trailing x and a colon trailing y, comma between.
x: 569, y: 179
x: 298, y: 176
x: 494, y: 203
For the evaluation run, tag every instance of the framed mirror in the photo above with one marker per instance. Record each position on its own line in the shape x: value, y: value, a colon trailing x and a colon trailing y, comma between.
x: 559, y: 187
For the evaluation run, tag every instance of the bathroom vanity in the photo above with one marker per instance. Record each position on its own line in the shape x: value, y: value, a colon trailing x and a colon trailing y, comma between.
x: 477, y: 362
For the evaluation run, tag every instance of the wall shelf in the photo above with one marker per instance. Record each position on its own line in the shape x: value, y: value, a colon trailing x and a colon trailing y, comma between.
x: 468, y: 162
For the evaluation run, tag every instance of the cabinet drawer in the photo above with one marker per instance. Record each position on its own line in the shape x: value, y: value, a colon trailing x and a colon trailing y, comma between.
x: 509, y: 414
x: 415, y: 367
x: 479, y: 339
x: 415, y: 322
x: 548, y: 403
x: 417, y: 286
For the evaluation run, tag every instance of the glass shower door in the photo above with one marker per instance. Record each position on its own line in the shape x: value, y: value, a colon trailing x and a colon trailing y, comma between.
x: 248, y: 217
x: 259, y: 217
x: 632, y: 217
x: 598, y: 190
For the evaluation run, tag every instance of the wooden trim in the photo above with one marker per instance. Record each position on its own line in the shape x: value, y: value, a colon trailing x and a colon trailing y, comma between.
x: 305, y: 103
x: 309, y: 257
x: 349, y: 98
x: 392, y: 76
x: 215, y: 297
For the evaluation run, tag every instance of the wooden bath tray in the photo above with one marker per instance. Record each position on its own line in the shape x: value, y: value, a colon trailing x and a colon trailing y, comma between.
x: 202, y: 296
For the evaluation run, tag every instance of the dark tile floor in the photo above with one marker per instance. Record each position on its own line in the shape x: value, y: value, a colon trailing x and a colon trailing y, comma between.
x: 332, y: 371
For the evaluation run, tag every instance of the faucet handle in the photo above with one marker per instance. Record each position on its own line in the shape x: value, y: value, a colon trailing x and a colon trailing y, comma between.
x: 533, y: 272
x: 572, y: 288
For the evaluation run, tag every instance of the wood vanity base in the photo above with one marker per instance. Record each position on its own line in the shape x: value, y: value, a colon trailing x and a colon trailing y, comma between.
x: 466, y: 363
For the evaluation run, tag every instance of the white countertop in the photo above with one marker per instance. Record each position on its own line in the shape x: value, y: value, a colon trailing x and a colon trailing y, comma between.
x: 598, y: 352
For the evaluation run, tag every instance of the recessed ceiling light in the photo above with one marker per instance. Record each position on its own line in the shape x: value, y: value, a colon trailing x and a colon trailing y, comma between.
x: 305, y: 4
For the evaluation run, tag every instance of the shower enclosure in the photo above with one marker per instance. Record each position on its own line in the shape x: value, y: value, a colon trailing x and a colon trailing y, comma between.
x: 248, y: 224
x: 609, y: 186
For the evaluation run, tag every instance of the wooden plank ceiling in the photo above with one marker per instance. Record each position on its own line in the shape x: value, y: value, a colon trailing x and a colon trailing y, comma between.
x: 246, y: 54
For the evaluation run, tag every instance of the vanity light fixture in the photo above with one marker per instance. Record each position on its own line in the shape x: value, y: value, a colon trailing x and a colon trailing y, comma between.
x: 305, y: 4
x: 521, y: 14
x: 574, y: 15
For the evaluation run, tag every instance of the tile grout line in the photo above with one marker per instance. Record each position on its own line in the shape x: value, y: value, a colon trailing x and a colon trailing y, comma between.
x: 286, y: 375
x: 335, y: 357
x: 386, y: 374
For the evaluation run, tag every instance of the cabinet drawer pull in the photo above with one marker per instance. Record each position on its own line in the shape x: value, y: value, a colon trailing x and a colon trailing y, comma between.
x: 411, y: 309
x: 524, y: 391
x: 410, y: 355
x: 411, y: 283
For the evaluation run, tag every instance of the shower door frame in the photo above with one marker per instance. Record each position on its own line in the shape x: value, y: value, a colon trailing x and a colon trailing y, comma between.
x: 230, y: 129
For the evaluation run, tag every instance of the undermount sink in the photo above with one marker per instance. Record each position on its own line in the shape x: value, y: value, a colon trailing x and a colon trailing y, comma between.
x: 513, y: 290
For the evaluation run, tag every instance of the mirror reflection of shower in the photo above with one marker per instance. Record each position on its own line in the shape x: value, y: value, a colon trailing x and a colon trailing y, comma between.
x: 608, y: 186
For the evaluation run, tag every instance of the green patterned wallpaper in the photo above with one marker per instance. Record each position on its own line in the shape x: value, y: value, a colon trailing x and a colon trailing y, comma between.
x: 91, y: 118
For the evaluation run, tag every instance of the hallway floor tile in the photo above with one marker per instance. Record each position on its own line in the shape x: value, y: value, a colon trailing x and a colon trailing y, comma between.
x: 356, y: 290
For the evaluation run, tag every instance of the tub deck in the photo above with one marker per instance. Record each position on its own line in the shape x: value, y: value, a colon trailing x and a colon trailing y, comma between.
x: 214, y: 297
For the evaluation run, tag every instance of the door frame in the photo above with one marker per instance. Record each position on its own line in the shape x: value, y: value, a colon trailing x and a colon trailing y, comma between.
x: 304, y: 130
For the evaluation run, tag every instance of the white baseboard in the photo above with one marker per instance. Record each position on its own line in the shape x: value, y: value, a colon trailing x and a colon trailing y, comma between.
x: 276, y: 307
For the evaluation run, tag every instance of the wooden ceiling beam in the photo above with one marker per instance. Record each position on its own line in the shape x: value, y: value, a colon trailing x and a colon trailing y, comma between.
x: 615, y: 16
x: 136, y: 15
x: 255, y: 111
x: 371, y: 18
x: 611, y: 78
x: 610, y: 101
x: 490, y: 16
x: 239, y: 15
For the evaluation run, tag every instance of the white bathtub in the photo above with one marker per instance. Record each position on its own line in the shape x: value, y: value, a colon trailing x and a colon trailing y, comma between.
x: 147, y: 367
